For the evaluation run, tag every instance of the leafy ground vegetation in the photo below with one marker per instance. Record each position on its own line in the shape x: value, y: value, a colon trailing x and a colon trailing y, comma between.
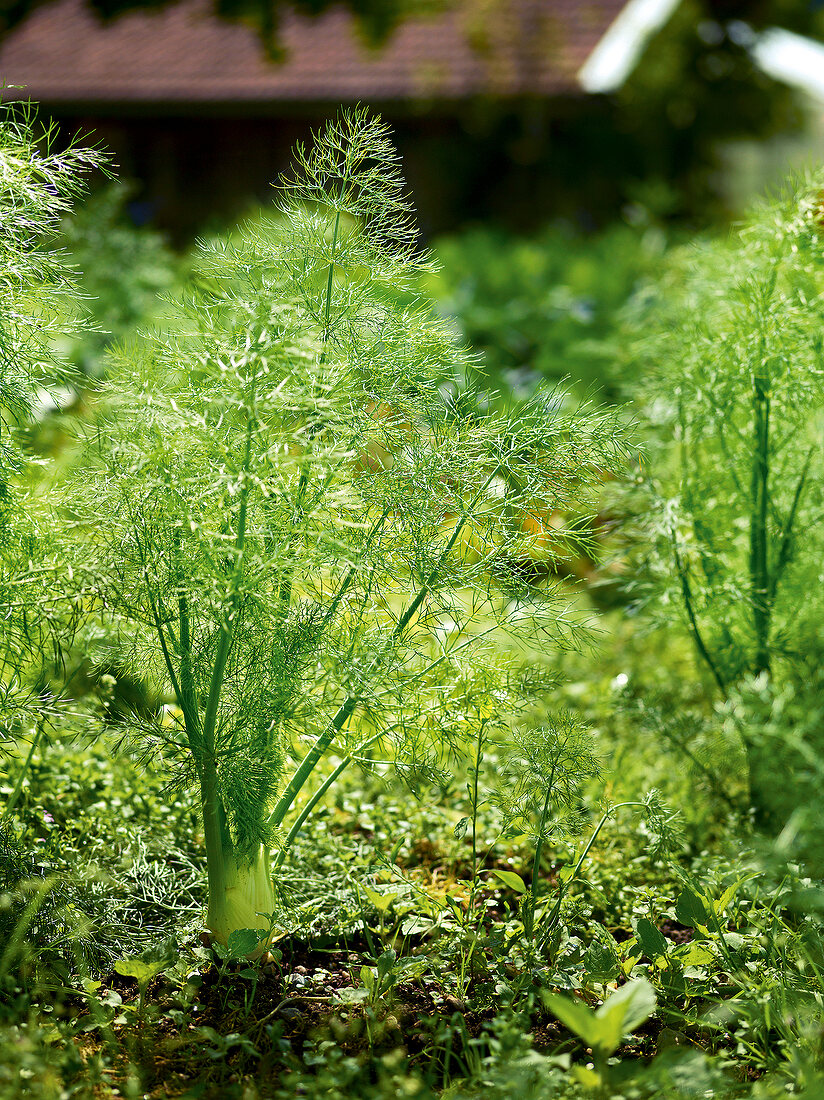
x: 367, y: 734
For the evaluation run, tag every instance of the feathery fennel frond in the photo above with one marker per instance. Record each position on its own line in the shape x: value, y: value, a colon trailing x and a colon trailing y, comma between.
x: 38, y: 186
x: 732, y: 345
x: 38, y: 302
x: 353, y: 170
x: 543, y: 778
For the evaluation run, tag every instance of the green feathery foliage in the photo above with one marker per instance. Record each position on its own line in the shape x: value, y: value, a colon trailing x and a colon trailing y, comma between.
x: 542, y: 779
x: 38, y: 186
x: 541, y: 788
x: 299, y: 534
x: 38, y: 302
x: 731, y: 345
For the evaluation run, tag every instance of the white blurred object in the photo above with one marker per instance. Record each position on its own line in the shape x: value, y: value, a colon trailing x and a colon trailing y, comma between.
x: 616, y: 55
x: 784, y: 56
x: 791, y: 58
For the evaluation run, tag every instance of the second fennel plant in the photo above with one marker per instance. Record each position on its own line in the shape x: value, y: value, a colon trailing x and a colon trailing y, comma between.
x: 39, y: 185
x: 297, y: 532
x: 731, y: 345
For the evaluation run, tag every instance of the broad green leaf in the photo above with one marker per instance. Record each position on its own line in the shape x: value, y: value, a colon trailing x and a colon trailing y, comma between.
x: 621, y: 1013
x: 352, y: 996
x: 651, y: 940
x: 630, y: 961
x: 731, y: 891
x: 589, y: 1078
x: 387, y: 961
x: 455, y: 906
x: 242, y: 942
x: 367, y: 978
x: 691, y: 909
x: 600, y: 963
x: 139, y: 969
x: 382, y: 902
x: 694, y: 954
x: 806, y: 900
x: 510, y: 879
x: 573, y: 1014
x: 726, y: 898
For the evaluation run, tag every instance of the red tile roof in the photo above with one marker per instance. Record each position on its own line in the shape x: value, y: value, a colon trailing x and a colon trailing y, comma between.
x: 185, y: 55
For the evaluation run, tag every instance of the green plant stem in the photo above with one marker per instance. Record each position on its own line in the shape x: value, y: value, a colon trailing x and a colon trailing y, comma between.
x: 759, y: 502
x: 479, y: 748
x: 328, y: 303
x: 556, y: 911
x: 347, y: 707
x: 158, y: 622
x: 686, y: 590
x: 785, y: 550
x: 466, y: 959
x: 285, y: 589
x: 215, y: 828
x: 188, y: 696
x: 305, y: 813
x: 310, y: 760
x: 529, y: 915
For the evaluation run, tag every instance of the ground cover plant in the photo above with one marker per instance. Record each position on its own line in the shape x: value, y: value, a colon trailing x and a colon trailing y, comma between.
x: 339, y: 792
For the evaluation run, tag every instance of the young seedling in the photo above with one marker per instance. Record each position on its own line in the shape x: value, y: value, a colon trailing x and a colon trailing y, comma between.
x: 603, y: 1030
x: 294, y: 529
x: 541, y: 796
x: 143, y: 970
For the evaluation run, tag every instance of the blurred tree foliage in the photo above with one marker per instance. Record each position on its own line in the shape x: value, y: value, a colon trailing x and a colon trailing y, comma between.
x: 698, y: 86
x: 376, y: 17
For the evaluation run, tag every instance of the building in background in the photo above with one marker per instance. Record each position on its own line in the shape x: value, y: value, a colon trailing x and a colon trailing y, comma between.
x: 197, y: 111
x: 516, y: 110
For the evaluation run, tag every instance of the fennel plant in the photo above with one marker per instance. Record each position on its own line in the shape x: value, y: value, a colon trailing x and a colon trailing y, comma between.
x: 39, y: 185
x: 734, y: 383
x: 732, y: 348
x: 299, y: 533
